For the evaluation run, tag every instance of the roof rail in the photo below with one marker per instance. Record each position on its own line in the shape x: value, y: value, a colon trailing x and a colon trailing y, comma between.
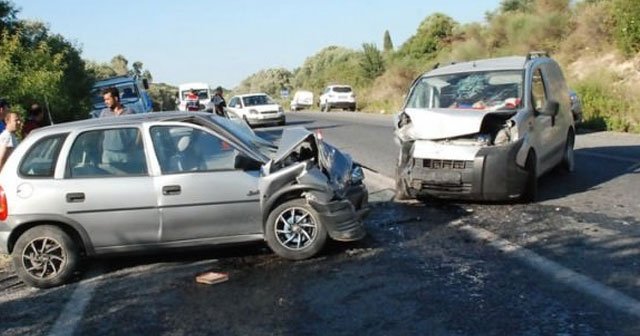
x: 535, y: 54
x: 437, y: 65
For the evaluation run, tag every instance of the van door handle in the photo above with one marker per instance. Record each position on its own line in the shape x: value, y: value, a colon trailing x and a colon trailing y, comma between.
x: 75, y: 197
x: 171, y: 190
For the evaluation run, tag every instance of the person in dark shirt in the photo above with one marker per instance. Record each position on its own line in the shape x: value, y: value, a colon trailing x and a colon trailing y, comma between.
x: 34, y: 120
x: 219, y: 104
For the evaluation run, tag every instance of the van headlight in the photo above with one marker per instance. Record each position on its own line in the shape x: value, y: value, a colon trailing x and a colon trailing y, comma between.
x: 507, y: 134
x: 357, y: 175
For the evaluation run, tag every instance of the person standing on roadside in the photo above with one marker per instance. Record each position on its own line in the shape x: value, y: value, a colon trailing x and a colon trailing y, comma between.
x: 8, y: 140
x: 116, y: 143
x: 34, y: 120
x: 114, y: 108
x: 219, y: 104
x: 4, y: 109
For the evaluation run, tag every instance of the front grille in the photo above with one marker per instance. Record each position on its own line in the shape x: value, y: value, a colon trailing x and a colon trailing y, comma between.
x: 269, y: 112
x: 464, y: 188
x: 446, y: 164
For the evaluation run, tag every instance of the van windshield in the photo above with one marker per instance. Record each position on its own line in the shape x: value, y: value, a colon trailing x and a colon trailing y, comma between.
x: 480, y: 90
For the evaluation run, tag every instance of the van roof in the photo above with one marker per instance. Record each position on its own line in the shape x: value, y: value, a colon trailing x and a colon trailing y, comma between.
x: 194, y: 85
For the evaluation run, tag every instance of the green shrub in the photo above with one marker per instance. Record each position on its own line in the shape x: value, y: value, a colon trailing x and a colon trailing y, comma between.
x: 627, y: 26
x: 605, y: 105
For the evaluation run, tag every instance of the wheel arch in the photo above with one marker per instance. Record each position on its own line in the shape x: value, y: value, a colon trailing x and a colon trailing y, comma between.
x: 79, y: 236
x: 283, y: 195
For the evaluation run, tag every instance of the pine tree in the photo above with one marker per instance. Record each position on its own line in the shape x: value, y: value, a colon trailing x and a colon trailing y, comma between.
x: 388, y: 45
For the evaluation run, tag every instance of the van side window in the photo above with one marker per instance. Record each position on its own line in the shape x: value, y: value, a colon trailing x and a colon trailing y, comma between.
x: 538, y: 95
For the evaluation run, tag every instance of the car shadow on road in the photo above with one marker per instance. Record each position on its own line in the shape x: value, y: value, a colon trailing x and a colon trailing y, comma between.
x: 594, y: 167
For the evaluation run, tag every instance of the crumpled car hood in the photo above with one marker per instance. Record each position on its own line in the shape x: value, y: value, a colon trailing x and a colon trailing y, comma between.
x: 434, y: 124
x: 336, y: 163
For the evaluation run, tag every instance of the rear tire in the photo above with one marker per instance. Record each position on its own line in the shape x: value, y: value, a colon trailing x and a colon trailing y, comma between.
x: 45, y: 256
x: 294, y: 230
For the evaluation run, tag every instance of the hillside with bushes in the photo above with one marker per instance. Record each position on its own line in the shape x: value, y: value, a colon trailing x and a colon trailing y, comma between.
x: 597, y: 42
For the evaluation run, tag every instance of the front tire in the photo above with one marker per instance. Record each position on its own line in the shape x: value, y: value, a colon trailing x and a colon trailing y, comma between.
x: 568, y: 163
x: 294, y: 230
x: 530, y: 192
x: 45, y: 256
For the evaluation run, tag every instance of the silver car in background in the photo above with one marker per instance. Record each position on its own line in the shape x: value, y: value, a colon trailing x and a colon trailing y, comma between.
x: 170, y: 180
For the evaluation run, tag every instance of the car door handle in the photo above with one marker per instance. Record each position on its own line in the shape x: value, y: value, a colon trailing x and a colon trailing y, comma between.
x: 75, y: 197
x: 171, y: 190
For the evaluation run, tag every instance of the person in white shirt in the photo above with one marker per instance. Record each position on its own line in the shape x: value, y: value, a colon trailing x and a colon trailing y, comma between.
x: 8, y: 140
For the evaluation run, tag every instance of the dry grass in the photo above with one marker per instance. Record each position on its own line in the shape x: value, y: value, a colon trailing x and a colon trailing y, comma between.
x: 5, y: 259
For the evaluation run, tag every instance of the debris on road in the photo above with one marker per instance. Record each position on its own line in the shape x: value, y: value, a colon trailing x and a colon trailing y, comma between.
x: 211, y: 278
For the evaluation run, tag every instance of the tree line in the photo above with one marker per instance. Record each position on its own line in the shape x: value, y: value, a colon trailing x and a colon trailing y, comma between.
x: 569, y: 30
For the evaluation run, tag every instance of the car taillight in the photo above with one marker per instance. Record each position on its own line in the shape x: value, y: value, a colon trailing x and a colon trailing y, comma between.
x: 4, y: 210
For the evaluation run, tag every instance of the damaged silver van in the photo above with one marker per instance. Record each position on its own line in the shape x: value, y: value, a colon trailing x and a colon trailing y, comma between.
x: 170, y: 180
x: 484, y: 129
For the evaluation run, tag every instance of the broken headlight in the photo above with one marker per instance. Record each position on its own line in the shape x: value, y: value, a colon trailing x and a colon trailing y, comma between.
x: 507, y: 134
x: 357, y: 175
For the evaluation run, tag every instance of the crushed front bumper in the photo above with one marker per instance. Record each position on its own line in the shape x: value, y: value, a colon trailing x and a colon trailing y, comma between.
x: 492, y: 175
x: 343, y: 218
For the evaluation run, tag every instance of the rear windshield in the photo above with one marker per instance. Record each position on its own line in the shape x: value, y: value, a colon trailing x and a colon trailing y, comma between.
x: 481, y: 90
x: 342, y: 89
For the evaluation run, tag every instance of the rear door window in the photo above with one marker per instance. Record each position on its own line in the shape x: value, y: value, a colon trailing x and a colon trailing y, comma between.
x: 40, y: 160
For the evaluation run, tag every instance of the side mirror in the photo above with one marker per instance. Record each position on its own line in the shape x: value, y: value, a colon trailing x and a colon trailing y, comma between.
x: 246, y: 163
x: 552, y: 108
x: 145, y: 83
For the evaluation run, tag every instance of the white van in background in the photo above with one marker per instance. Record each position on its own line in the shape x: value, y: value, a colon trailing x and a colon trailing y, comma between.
x: 302, y: 100
x: 202, y: 90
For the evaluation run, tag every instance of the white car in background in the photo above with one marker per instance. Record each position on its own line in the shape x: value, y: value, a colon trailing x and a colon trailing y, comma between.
x: 257, y: 109
x: 301, y: 99
x: 337, y: 96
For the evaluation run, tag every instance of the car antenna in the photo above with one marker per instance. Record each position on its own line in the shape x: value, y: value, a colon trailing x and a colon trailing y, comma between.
x: 46, y: 104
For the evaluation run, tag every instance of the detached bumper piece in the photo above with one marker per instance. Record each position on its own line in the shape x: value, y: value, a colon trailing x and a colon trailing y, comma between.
x: 343, y: 218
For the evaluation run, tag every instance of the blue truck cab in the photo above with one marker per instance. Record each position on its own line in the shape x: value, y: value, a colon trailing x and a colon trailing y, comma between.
x: 133, y: 94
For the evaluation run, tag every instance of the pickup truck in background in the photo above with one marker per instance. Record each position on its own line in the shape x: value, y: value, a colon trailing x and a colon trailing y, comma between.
x: 133, y: 94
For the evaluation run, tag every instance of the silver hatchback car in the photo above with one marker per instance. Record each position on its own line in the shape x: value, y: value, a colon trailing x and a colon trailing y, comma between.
x: 170, y: 180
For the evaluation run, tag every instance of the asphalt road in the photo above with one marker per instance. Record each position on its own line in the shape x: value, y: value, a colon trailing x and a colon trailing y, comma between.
x: 567, y: 265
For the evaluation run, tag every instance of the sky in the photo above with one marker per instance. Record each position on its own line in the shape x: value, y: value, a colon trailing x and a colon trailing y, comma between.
x: 224, y: 42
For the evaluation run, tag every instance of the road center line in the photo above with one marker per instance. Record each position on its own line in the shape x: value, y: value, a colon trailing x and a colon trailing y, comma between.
x: 577, y: 281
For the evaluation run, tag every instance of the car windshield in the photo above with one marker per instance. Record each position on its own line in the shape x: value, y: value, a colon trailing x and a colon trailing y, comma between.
x: 128, y: 92
x: 246, y: 135
x: 342, y: 89
x: 257, y: 100
x: 487, y: 90
x: 202, y: 94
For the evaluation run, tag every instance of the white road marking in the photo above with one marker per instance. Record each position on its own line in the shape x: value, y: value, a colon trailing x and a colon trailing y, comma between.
x: 634, y: 169
x: 555, y: 271
x: 73, y: 311
x: 559, y: 273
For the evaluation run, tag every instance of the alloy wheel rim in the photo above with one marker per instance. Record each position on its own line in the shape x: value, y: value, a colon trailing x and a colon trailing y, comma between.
x: 43, y: 258
x: 296, y: 229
